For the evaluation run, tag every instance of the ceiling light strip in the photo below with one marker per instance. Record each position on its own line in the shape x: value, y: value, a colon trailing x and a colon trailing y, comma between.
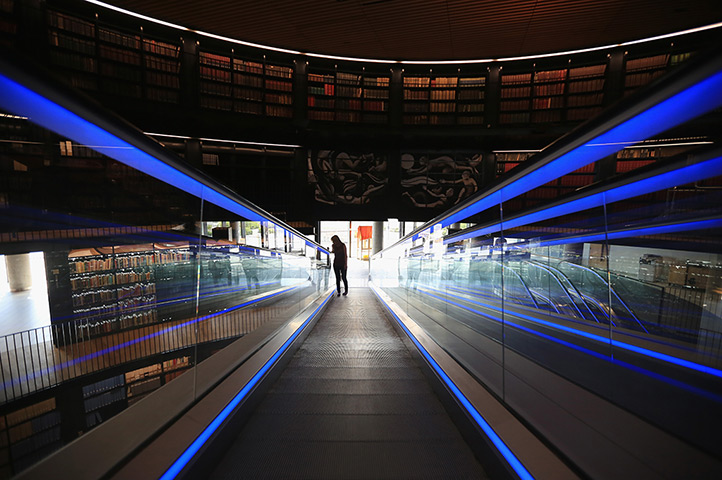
x: 408, y: 62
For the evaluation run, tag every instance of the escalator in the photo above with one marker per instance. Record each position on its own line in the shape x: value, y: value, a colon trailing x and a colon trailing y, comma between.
x: 351, y: 403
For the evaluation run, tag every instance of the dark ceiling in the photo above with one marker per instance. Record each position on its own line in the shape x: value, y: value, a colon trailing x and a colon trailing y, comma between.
x: 433, y: 29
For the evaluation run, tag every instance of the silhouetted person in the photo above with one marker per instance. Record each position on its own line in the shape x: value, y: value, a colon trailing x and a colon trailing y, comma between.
x: 340, y: 264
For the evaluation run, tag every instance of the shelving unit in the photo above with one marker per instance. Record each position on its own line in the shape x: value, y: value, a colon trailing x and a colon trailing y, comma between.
x: 162, y: 70
x: 375, y: 98
x: 120, y: 63
x: 73, y: 50
x: 585, y: 92
x: 244, y: 86
x: 347, y: 97
x: 470, y: 103
x: 642, y: 71
x: 278, y: 87
x: 29, y: 434
x: 215, y: 81
x: 321, y: 96
x: 247, y: 86
x: 416, y: 99
x: 141, y: 382
x: 112, y: 290
x: 103, y: 399
x: 548, y: 91
x: 515, y: 98
x: 629, y: 159
x: 508, y: 160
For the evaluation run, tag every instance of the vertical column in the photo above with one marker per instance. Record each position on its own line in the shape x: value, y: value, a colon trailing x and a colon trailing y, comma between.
x: 236, y: 232
x: 492, y: 96
x: 300, y: 93
x: 396, y: 97
x: 189, y: 73
x: 19, y: 273
x: 377, y: 237
x: 194, y: 152
x: 614, y: 78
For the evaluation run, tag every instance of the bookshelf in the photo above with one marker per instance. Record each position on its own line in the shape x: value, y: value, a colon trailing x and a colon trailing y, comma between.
x: 278, y: 90
x: 416, y: 100
x: 629, y: 159
x: 120, y: 63
x: 215, y: 81
x: 162, y: 70
x: 470, y: 102
x: 442, y: 100
x: 29, y: 434
x: 642, y: 71
x: 322, y: 96
x: 247, y: 87
x: 432, y: 99
x: 103, y: 399
x: 585, y: 91
x: 141, y: 382
x: 73, y: 50
x: 508, y: 160
x: 347, y: 97
x: 375, y: 98
x: 515, y: 103
x: 111, y: 289
x: 548, y: 89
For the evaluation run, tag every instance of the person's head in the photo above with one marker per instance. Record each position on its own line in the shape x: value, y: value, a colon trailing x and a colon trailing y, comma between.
x: 335, y: 239
x: 465, y: 174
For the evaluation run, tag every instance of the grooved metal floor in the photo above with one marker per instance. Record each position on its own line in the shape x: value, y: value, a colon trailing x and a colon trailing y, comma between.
x: 351, y: 404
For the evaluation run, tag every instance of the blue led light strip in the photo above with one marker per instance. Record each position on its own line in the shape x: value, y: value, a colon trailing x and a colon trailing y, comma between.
x: 190, y: 452
x: 696, y: 100
x: 134, y: 341
x: 581, y: 333
x: 505, y: 451
x: 20, y: 100
x: 681, y: 176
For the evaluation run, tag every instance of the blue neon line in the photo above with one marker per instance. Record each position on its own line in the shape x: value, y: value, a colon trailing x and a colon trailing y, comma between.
x: 642, y: 351
x: 190, y: 452
x: 113, y: 348
x: 675, y: 110
x: 680, y: 176
x: 22, y: 101
x: 505, y: 451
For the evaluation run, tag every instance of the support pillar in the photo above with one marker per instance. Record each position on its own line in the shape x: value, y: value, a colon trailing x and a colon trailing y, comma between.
x: 377, y: 237
x: 19, y: 274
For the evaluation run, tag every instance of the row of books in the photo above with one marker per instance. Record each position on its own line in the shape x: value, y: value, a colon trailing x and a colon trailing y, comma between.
x: 76, y: 44
x: 163, y: 80
x: 641, y: 79
x: 550, y: 76
x: 137, y: 319
x: 163, y: 64
x: 120, y: 39
x: 641, y: 153
x: 574, y: 101
x: 647, y: 63
x: 71, y: 24
x: 103, y: 399
x: 103, y: 386
x: 547, y: 102
x: 471, y: 94
x: 136, y: 290
x: 116, y: 54
x: 549, y: 89
x: 30, y: 412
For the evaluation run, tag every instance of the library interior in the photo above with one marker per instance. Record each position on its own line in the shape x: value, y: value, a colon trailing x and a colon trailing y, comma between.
x: 529, y: 197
